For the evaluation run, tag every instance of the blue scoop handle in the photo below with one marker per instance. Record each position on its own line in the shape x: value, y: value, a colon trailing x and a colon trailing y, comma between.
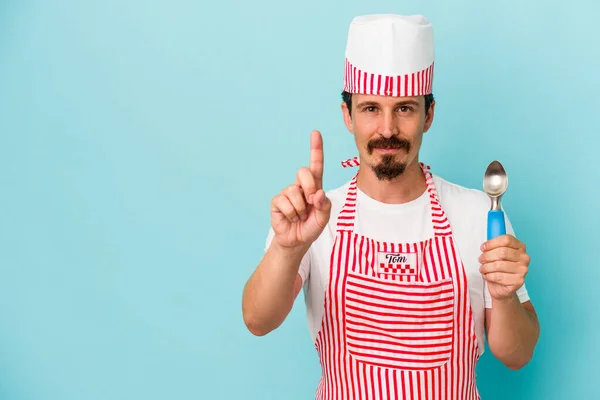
x: 496, y: 226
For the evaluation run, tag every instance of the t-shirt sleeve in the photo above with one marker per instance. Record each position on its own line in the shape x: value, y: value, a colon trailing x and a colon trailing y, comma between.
x: 304, y: 269
x: 522, y: 291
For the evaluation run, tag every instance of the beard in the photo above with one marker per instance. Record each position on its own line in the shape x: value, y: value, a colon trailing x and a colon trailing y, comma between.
x: 388, y: 168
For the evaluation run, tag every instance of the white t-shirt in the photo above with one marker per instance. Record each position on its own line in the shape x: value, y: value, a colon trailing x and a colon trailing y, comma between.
x: 466, y: 210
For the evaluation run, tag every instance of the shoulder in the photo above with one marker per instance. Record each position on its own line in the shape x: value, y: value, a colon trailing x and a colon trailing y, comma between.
x: 466, y: 209
x: 338, y: 193
x: 461, y: 200
x: 337, y: 196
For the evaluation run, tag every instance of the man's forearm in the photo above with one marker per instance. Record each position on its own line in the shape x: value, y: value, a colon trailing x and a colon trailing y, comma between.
x: 513, y: 332
x: 270, y: 293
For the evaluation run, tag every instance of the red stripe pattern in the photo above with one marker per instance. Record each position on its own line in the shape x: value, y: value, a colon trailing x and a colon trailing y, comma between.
x: 352, y: 162
x: 396, y: 335
x: 414, y: 84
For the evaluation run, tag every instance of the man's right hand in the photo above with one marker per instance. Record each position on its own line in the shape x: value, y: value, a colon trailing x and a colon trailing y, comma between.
x: 301, y: 211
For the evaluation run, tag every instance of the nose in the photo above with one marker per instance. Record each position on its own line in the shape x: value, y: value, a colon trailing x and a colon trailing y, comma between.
x: 388, y: 124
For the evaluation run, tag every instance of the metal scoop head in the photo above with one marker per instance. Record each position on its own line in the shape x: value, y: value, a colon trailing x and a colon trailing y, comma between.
x: 495, y: 183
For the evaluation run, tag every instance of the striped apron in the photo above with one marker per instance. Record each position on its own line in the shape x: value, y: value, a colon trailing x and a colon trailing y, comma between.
x: 397, y: 322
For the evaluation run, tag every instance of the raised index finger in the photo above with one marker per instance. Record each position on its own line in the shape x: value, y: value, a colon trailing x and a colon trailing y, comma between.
x: 316, y: 157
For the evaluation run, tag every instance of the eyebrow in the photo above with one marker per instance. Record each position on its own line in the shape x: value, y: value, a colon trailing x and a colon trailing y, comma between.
x: 400, y: 103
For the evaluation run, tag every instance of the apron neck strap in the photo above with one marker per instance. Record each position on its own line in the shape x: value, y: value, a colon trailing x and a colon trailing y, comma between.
x: 347, y: 216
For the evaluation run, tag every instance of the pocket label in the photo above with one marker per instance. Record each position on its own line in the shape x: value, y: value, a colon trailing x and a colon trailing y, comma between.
x: 397, y: 263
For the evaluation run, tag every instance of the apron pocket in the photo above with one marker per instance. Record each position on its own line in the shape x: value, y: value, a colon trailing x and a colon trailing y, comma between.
x: 401, y: 325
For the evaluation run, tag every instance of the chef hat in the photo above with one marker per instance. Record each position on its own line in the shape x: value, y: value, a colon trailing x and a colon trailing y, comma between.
x: 389, y: 55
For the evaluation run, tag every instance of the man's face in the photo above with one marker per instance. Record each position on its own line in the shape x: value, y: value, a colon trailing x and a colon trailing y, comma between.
x: 388, y: 131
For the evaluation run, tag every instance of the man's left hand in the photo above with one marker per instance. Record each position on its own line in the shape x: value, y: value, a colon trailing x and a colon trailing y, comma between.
x: 504, y: 264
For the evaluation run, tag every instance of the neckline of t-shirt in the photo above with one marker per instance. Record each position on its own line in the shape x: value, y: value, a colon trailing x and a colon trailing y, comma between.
x: 363, y: 200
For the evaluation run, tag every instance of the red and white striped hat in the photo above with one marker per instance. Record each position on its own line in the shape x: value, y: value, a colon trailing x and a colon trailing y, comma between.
x: 390, y: 55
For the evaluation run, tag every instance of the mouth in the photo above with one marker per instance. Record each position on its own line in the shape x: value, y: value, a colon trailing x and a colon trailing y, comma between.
x: 387, y: 150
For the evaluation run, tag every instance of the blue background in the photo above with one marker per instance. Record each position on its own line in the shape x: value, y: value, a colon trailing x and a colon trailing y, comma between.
x: 141, y: 143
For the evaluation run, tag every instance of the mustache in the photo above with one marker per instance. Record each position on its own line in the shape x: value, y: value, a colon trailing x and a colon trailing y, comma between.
x: 388, y: 143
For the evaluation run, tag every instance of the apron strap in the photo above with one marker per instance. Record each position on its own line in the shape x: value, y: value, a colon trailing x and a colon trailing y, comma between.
x: 346, y: 217
x: 351, y: 162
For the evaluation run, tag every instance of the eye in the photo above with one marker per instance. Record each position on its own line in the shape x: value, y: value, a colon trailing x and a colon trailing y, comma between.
x: 405, y: 109
x: 370, y: 108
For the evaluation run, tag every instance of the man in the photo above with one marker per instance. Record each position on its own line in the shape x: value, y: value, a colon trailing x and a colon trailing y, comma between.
x: 399, y: 279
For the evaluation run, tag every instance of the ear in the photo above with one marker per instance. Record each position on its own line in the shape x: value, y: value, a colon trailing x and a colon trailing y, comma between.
x: 347, y: 116
x: 429, y: 117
